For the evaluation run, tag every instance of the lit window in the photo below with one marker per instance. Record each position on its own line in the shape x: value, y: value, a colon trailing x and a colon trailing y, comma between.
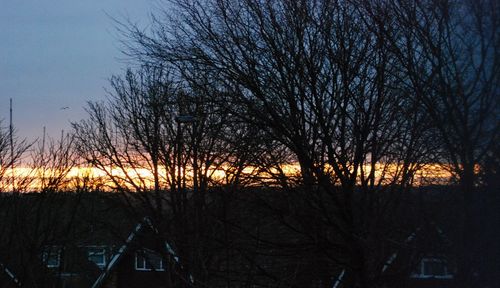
x: 51, y: 257
x: 97, y: 255
x: 432, y: 268
x: 147, y: 260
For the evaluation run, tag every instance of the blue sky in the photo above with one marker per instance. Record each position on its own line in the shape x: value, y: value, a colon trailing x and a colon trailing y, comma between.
x: 58, y: 53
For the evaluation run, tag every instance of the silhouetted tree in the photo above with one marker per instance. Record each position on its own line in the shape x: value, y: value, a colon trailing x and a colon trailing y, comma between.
x: 11, y: 153
x: 313, y: 76
x: 449, y: 55
x: 52, y: 161
x: 163, y: 140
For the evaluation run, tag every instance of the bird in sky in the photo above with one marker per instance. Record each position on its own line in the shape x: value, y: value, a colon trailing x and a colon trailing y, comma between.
x: 64, y: 108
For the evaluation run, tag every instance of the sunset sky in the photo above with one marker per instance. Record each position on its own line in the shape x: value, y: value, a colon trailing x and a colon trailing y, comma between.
x: 59, y: 53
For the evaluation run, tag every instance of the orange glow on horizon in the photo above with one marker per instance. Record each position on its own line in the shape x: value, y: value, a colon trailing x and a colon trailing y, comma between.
x: 29, y: 179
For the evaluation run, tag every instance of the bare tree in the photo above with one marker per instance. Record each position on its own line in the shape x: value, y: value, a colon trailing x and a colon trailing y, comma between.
x: 449, y: 54
x: 52, y: 161
x: 12, y: 150
x: 163, y: 141
x: 315, y: 78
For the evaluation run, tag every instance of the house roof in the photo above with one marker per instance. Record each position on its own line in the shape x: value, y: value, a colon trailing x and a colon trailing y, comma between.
x: 32, y: 222
x: 10, y: 275
x: 117, y: 256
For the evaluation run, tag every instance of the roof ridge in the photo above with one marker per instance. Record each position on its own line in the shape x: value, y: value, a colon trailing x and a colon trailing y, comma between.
x: 116, y: 257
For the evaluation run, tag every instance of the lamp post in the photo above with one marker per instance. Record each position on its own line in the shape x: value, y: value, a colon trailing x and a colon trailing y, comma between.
x: 185, y: 119
x: 181, y: 176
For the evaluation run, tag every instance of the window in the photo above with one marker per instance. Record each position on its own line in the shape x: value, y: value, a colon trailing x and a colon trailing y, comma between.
x: 51, y: 256
x: 147, y: 260
x: 432, y: 268
x: 97, y: 255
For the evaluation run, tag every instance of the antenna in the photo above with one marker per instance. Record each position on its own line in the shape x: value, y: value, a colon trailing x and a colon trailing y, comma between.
x: 11, y: 136
x: 42, y: 166
x: 43, y: 142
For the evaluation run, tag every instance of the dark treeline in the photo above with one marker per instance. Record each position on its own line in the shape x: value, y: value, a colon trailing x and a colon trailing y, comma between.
x: 361, y: 96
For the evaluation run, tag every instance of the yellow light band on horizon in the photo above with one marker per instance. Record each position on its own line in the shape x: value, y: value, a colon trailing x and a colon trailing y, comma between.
x: 144, y: 178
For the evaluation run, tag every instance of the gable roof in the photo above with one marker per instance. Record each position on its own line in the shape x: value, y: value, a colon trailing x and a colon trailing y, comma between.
x: 431, y: 232
x: 118, y: 255
x: 146, y: 222
x: 10, y: 275
x: 412, y: 237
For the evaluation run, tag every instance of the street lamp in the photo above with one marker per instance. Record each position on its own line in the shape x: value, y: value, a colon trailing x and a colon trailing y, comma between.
x: 185, y: 119
x: 181, y: 176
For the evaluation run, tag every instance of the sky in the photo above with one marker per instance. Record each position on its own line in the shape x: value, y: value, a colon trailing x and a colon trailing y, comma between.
x: 59, y: 53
